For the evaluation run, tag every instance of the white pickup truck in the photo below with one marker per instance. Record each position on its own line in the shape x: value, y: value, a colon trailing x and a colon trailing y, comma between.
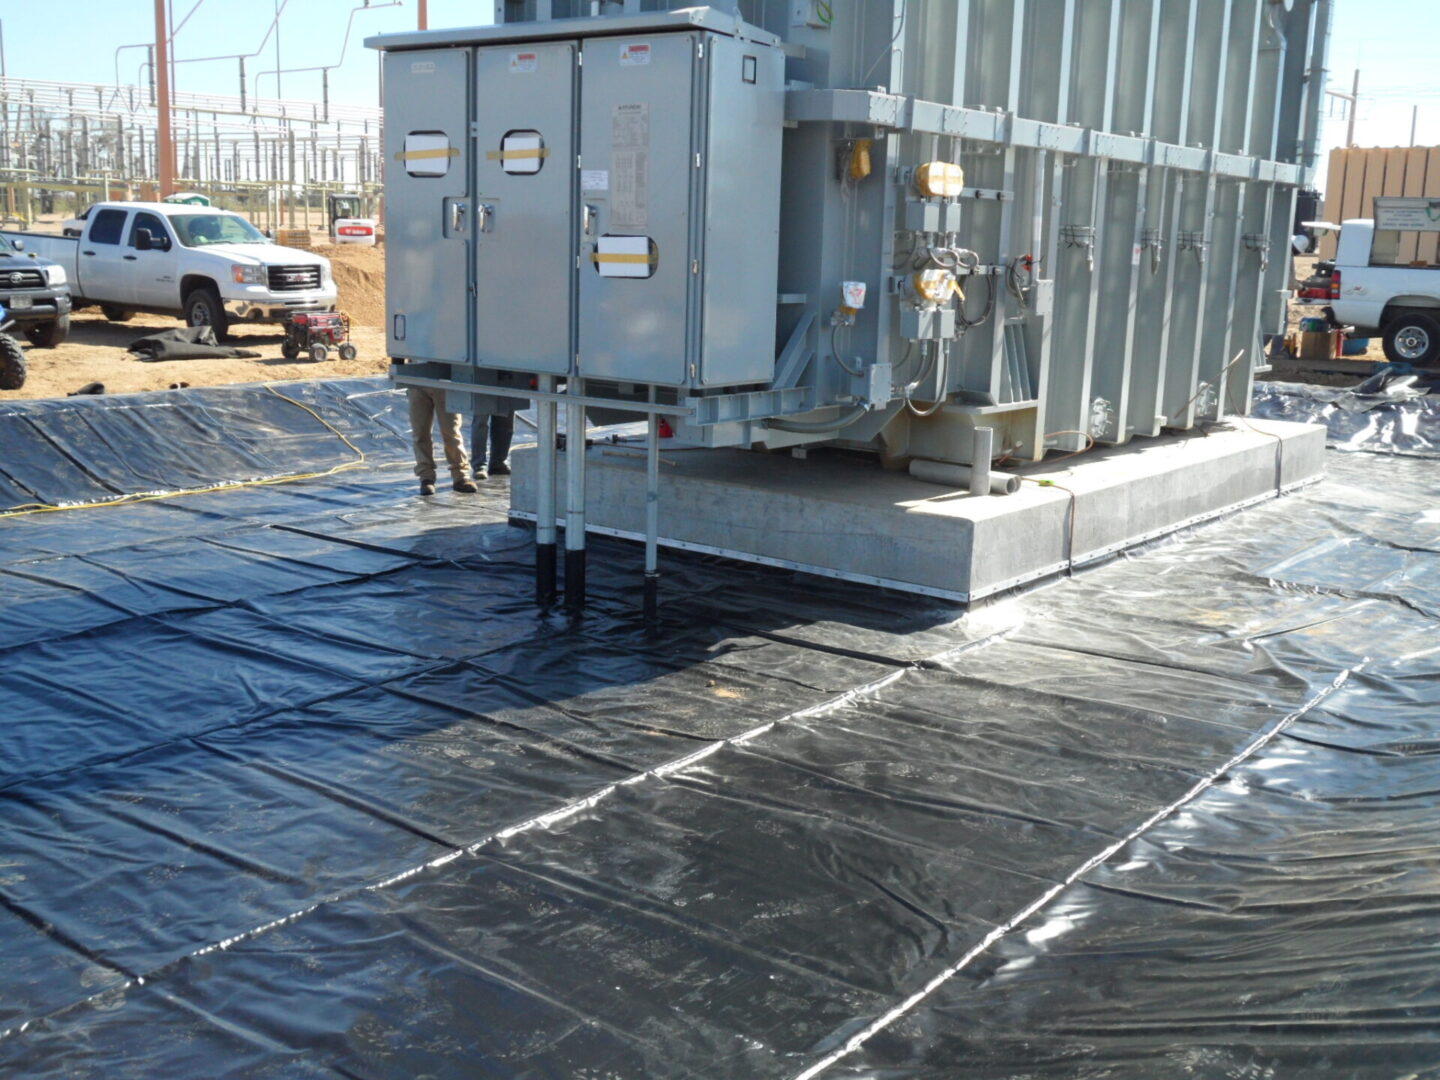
x: 210, y: 266
x: 1373, y: 291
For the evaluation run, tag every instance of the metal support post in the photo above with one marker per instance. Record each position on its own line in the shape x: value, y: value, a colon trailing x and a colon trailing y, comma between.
x: 575, y: 502
x: 545, y: 496
x: 652, y: 514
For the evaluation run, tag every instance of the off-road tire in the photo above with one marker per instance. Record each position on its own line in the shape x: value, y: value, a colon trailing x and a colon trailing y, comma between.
x: 319, y: 353
x: 203, y: 308
x: 348, y: 352
x: 12, y: 363
x: 49, y: 334
x: 115, y: 313
x: 1412, y: 337
x: 290, y: 351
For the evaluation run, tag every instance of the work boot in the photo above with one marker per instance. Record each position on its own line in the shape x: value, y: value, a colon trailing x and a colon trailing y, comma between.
x: 466, y: 487
x: 500, y: 469
x: 481, y: 474
x: 427, y: 487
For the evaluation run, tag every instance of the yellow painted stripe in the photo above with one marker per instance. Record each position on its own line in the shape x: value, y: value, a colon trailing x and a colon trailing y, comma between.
x: 602, y: 257
x: 421, y: 155
x: 515, y: 155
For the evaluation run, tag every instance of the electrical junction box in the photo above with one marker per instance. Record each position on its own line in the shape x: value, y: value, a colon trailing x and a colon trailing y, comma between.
x: 817, y: 14
x: 611, y: 205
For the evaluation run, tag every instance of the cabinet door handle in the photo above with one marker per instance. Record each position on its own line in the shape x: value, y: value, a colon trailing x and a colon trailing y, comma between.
x: 588, y: 214
x: 484, y: 212
x: 457, y: 217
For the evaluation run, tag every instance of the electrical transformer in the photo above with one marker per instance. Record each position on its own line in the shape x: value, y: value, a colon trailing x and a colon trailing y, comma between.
x: 894, y: 224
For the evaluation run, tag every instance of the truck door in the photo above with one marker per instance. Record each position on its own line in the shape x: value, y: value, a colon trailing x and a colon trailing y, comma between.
x: 428, y: 213
x: 525, y: 206
x: 638, y: 162
x: 104, y: 275
x: 152, y: 277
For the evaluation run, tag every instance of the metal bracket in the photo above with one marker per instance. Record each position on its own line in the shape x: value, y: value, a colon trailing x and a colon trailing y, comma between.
x: 1193, y: 241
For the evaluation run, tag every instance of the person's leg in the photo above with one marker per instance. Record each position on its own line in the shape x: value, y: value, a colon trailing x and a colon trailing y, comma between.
x: 479, y: 443
x: 422, y: 420
x: 452, y: 431
x: 502, y: 430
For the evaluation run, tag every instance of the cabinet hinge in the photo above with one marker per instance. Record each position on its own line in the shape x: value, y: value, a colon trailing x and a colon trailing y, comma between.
x: 694, y: 266
x: 692, y: 372
x: 700, y: 50
x: 697, y: 161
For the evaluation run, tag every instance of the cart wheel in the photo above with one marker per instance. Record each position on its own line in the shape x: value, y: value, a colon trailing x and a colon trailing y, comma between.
x: 348, y: 351
x: 290, y: 350
x: 319, y: 353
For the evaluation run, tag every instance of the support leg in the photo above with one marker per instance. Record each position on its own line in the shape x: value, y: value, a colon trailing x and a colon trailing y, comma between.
x: 652, y: 516
x: 575, y: 503
x: 545, y: 497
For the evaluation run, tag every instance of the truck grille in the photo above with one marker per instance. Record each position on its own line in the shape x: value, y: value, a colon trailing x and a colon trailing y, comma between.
x: 21, y: 279
x: 294, y: 278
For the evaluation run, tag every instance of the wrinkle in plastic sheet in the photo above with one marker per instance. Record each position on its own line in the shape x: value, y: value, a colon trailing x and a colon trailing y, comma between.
x: 296, y: 781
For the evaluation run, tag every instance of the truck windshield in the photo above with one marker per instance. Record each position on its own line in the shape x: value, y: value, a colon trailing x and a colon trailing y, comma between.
x: 200, y: 230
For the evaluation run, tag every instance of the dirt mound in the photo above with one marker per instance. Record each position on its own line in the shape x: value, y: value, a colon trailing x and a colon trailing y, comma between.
x: 360, y: 278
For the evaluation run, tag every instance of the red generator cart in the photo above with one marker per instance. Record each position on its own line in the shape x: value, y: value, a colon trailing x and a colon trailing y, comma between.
x: 316, y: 332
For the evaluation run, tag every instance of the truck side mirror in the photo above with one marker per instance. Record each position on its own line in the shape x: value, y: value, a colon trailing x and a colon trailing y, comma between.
x: 18, y: 244
x: 143, y: 241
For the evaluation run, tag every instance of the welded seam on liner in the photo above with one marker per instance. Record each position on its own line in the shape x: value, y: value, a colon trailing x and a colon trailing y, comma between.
x: 540, y: 821
x: 860, y: 1038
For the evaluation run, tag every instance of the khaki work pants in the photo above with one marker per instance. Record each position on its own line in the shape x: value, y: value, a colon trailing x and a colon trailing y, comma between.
x: 426, y: 406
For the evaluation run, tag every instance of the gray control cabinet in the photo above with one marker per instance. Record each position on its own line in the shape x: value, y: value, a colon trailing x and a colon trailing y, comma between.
x: 580, y: 217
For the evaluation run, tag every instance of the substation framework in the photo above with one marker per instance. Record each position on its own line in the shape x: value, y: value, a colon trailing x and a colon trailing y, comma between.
x: 66, y: 145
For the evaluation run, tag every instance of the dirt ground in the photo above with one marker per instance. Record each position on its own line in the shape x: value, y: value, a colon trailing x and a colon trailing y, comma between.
x: 95, y: 349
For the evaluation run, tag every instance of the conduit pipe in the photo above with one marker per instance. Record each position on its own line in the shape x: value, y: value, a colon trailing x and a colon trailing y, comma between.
x: 959, y: 476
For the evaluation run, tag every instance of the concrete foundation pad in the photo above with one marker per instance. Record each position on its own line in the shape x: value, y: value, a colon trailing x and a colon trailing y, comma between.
x: 841, y: 516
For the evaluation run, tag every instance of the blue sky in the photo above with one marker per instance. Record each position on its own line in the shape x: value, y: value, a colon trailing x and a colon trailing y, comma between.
x: 1394, y: 43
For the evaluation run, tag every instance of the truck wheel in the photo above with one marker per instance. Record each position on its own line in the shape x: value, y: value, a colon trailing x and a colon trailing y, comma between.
x: 116, y: 314
x: 203, y: 308
x: 48, y: 335
x: 1413, y: 337
x: 348, y: 352
x: 319, y: 353
x: 12, y: 363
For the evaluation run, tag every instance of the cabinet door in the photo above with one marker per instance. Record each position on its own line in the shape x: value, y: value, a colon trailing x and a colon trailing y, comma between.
x: 525, y: 207
x: 638, y: 164
x: 428, y: 216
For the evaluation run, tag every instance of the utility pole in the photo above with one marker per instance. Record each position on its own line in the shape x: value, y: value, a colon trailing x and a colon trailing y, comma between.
x: 1353, y: 98
x: 165, y: 143
x: 1354, y: 107
x: 424, y: 14
x: 1414, y: 120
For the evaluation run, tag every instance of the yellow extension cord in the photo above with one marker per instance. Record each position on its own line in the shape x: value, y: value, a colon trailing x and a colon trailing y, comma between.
x: 25, y: 509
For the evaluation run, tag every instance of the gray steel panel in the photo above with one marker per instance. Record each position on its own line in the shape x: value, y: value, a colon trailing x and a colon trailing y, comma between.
x: 640, y: 118
x: 525, y: 250
x: 427, y: 265
x: 741, y: 172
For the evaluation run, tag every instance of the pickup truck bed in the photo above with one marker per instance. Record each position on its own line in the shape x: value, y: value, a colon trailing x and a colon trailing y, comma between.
x: 1376, y: 295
